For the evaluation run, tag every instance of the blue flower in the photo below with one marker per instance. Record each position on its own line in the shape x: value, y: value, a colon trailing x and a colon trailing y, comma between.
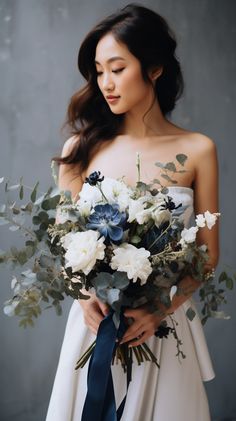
x: 108, y: 220
x: 94, y: 178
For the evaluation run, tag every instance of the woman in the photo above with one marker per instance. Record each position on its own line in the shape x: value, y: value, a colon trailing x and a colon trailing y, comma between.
x: 133, y: 82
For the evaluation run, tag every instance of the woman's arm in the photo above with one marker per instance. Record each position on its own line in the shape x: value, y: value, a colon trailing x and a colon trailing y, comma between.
x: 70, y: 179
x: 205, y: 198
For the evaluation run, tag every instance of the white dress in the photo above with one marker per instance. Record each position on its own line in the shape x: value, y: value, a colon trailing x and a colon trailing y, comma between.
x: 175, y: 392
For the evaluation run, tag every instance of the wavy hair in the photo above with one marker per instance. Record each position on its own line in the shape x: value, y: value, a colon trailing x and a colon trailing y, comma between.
x: 149, y: 38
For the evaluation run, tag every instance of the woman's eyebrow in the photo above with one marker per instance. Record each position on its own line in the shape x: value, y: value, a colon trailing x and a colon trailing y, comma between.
x: 111, y: 59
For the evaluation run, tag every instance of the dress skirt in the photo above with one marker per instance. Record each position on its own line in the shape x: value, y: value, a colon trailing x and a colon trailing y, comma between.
x: 173, y: 392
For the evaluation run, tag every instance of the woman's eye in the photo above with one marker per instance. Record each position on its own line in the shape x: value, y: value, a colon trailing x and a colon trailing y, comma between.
x: 118, y: 70
x: 99, y: 73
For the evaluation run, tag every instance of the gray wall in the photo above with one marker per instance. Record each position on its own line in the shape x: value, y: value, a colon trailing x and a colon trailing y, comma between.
x: 39, y: 40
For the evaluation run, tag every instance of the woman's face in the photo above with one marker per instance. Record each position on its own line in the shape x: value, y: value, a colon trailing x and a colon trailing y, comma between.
x: 119, y: 76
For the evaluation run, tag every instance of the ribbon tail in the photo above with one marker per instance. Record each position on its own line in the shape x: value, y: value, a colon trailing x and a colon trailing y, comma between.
x: 100, y: 385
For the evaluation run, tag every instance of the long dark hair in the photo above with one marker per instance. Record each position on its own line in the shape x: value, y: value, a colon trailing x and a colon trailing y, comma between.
x: 149, y: 38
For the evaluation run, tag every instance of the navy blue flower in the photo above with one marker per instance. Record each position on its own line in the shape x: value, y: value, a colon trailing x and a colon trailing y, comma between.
x: 108, y: 220
x: 93, y: 178
x: 169, y: 204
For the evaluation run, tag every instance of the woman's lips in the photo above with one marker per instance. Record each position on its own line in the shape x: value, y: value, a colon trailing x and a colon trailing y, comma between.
x: 112, y: 99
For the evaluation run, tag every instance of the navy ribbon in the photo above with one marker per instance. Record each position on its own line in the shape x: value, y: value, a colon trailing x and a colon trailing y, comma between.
x: 100, y: 399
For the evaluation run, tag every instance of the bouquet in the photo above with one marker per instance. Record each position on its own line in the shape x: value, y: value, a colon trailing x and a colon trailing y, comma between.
x: 127, y: 245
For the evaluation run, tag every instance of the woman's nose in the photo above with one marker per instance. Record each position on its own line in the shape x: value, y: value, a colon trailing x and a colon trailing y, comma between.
x: 108, y: 83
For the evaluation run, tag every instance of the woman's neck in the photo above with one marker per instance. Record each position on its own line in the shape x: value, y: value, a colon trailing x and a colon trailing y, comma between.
x: 138, y: 124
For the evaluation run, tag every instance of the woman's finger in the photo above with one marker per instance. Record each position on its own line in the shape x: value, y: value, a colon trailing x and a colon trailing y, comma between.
x: 103, y: 307
x: 132, y: 332
x: 141, y: 340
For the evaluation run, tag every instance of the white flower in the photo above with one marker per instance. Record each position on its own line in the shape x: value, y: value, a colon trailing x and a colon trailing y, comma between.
x: 200, y: 220
x: 210, y: 218
x: 89, y: 194
x: 137, y: 209
x: 161, y: 216
x: 84, y: 207
x: 189, y: 235
x: 83, y: 249
x: 128, y: 258
x: 173, y: 291
x: 116, y: 192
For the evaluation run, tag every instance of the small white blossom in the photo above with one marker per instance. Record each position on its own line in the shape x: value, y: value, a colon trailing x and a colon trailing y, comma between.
x: 188, y: 235
x: 128, y: 258
x: 83, y: 249
x: 137, y: 210
x: 173, y: 291
x: 200, y: 220
x: 210, y: 218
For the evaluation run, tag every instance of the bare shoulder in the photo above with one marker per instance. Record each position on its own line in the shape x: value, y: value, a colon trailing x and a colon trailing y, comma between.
x: 199, y: 143
x: 69, y: 174
x: 69, y: 145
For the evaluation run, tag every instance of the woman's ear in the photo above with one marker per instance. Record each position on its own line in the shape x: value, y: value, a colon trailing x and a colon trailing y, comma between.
x: 155, y: 73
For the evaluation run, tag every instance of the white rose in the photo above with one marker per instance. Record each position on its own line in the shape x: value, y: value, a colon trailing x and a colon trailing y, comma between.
x: 210, y: 218
x: 83, y: 249
x: 161, y: 216
x: 128, y: 258
x: 189, y: 235
x: 200, y: 220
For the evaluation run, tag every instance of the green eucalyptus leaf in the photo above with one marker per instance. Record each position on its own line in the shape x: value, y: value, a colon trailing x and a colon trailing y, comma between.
x: 135, y: 239
x: 34, y: 192
x: 58, y: 309
x: 36, y: 220
x: 170, y: 166
x: 46, y: 261
x: 21, y: 193
x: 164, y: 190
x: 181, y: 158
x: 43, y: 276
x: 190, y: 313
x: 141, y: 186
x: 229, y: 283
x: 113, y: 295
x: 55, y: 294
x: 166, y: 177
x: 156, y: 181
x: 51, y: 203
x: 223, y: 277
x: 159, y: 164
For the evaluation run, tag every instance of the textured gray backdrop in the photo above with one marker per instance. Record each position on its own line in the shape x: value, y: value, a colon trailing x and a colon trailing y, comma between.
x: 39, y: 40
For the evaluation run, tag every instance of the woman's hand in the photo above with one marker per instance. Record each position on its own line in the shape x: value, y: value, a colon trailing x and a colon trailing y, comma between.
x: 145, y: 323
x: 94, y: 312
x: 143, y: 327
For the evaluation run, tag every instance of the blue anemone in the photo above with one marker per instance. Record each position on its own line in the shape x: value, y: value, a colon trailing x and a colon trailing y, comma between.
x: 108, y: 220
